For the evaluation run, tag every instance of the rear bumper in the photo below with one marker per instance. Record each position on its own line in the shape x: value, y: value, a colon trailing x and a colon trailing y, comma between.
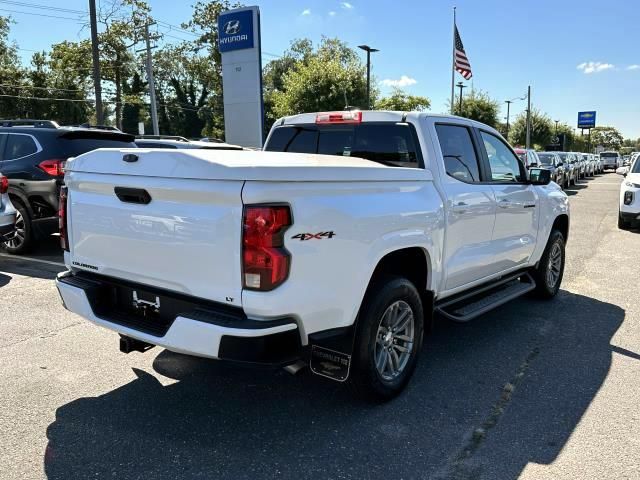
x: 204, y: 331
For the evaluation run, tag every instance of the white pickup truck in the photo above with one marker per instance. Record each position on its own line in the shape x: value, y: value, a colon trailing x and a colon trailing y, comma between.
x: 338, y: 254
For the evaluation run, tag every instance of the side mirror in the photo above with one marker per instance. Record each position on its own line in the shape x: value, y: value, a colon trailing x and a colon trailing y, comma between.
x: 539, y: 176
x: 560, y: 164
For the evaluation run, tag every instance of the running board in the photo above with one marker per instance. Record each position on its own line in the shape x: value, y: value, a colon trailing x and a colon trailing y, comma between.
x: 469, y: 305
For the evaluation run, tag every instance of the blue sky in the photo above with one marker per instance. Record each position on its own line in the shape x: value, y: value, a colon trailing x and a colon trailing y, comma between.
x: 576, y: 55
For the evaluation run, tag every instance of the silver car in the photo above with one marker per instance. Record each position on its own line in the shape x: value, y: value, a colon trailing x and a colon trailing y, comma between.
x: 7, y: 212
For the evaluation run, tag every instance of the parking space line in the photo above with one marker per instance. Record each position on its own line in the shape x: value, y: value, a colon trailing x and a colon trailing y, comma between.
x: 31, y: 259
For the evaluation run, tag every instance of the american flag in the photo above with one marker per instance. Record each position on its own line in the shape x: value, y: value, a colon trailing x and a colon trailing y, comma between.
x: 461, y: 64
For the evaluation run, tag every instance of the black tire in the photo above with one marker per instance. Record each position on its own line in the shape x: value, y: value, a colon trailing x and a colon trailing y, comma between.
x: 623, y: 224
x: 365, y: 378
x: 544, y: 287
x: 22, y: 239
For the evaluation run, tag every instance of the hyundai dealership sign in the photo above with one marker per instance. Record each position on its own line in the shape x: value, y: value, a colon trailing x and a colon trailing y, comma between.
x: 235, y: 30
x: 239, y: 45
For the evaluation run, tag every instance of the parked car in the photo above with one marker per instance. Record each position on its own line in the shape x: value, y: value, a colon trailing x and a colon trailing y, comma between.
x: 339, y: 260
x: 580, y: 164
x: 552, y: 161
x: 598, y: 162
x: 626, y: 160
x: 629, y: 210
x: 528, y: 157
x: 590, y: 166
x: 183, y: 144
x: 610, y: 160
x: 7, y: 211
x: 33, y: 153
x: 569, y: 163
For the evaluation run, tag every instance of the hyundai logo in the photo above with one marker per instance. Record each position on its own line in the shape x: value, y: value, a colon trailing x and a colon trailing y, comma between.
x: 232, y: 27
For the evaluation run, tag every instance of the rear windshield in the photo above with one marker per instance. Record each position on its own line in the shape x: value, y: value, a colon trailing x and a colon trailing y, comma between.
x: 78, y: 146
x: 608, y: 154
x: 388, y: 143
x: 545, y: 159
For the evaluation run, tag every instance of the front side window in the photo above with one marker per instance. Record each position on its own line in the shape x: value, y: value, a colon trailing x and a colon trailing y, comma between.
x: 460, y: 160
x: 505, y: 166
x: 546, y: 159
x: 19, y: 146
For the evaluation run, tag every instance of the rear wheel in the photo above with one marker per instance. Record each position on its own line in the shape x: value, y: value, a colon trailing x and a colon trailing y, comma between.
x: 550, y: 270
x: 22, y: 239
x: 388, y: 339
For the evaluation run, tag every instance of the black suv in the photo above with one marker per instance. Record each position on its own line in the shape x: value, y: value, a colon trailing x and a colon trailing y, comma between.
x: 32, y: 156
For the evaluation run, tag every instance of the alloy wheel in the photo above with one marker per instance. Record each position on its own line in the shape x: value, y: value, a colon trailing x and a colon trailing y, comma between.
x: 17, y: 239
x: 394, y: 340
x: 554, y: 266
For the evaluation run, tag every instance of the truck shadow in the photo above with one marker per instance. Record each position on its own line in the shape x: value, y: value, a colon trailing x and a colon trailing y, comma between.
x: 225, y: 422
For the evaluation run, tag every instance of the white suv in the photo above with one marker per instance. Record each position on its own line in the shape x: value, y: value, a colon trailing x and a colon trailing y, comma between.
x: 7, y: 212
x: 629, y: 213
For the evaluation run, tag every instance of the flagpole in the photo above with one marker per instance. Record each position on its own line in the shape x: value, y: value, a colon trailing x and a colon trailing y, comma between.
x: 453, y: 59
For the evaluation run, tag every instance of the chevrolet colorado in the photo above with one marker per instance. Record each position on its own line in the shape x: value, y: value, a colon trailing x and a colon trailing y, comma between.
x: 337, y: 246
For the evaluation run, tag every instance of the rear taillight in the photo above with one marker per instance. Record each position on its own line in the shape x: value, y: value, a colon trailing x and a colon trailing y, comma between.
x: 265, y: 261
x: 54, y: 167
x: 4, y: 185
x: 62, y: 219
x: 349, y: 116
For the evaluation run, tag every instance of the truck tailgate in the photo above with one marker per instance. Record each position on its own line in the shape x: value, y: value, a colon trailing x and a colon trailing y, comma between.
x: 186, y: 239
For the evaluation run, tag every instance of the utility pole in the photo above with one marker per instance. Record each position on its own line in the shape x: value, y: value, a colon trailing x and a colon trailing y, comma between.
x: 460, y: 85
x: 369, y: 50
x: 508, y: 102
x: 528, y: 117
x: 95, y: 53
x: 557, y: 121
x: 152, y: 86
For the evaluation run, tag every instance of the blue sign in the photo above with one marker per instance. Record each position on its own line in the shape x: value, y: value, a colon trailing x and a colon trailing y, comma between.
x: 235, y: 31
x: 586, y: 119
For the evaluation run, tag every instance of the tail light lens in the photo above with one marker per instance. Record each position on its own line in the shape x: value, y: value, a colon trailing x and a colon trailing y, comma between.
x: 62, y: 218
x: 350, y: 116
x: 54, y: 167
x: 265, y: 261
x: 4, y: 185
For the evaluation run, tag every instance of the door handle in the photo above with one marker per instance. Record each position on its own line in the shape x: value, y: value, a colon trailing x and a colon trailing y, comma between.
x: 505, y: 203
x: 460, y: 207
x: 132, y: 195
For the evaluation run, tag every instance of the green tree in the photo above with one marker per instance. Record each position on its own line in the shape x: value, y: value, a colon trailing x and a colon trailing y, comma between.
x: 330, y: 78
x: 401, y: 101
x: 11, y: 75
x: 478, y: 105
x: 542, y: 129
x: 608, y: 137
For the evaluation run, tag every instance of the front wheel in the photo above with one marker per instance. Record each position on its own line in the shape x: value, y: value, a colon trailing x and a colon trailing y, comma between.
x: 550, y: 270
x: 388, y: 339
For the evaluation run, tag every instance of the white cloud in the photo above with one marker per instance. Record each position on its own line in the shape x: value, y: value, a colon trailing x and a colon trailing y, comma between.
x: 594, y: 67
x: 403, y: 81
x: 332, y: 13
x: 346, y: 5
x: 306, y: 11
x: 633, y: 67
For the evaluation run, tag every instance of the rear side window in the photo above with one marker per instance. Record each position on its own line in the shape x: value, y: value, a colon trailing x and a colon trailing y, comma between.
x: 388, y: 143
x: 460, y: 160
x: 19, y: 146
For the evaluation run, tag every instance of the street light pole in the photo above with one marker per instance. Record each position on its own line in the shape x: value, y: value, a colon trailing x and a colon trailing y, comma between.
x: 528, y: 118
x: 460, y: 85
x: 369, y: 50
x: 557, y: 121
x: 508, y: 102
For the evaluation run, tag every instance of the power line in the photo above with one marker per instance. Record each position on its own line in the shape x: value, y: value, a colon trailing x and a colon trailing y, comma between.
x: 7, y: 85
x: 40, y: 15
x: 42, y: 7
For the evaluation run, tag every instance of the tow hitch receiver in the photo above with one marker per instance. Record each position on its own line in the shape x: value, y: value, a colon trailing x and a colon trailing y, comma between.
x: 128, y: 345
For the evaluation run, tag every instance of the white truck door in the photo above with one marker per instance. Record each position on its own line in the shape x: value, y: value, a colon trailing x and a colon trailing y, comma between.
x: 470, y: 208
x: 517, y: 213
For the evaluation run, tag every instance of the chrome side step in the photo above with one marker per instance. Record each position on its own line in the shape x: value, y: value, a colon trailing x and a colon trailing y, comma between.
x: 469, y: 305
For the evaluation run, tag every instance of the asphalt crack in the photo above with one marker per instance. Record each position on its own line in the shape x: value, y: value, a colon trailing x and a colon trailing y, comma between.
x: 460, y: 467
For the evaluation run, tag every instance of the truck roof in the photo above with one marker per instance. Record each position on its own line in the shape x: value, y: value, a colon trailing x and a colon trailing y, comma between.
x: 379, y: 116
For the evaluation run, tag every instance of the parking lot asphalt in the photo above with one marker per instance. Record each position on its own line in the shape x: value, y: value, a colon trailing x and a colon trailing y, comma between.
x: 532, y: 390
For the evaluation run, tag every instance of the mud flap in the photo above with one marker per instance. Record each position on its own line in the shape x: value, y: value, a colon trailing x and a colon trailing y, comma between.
x: 330, y: 354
